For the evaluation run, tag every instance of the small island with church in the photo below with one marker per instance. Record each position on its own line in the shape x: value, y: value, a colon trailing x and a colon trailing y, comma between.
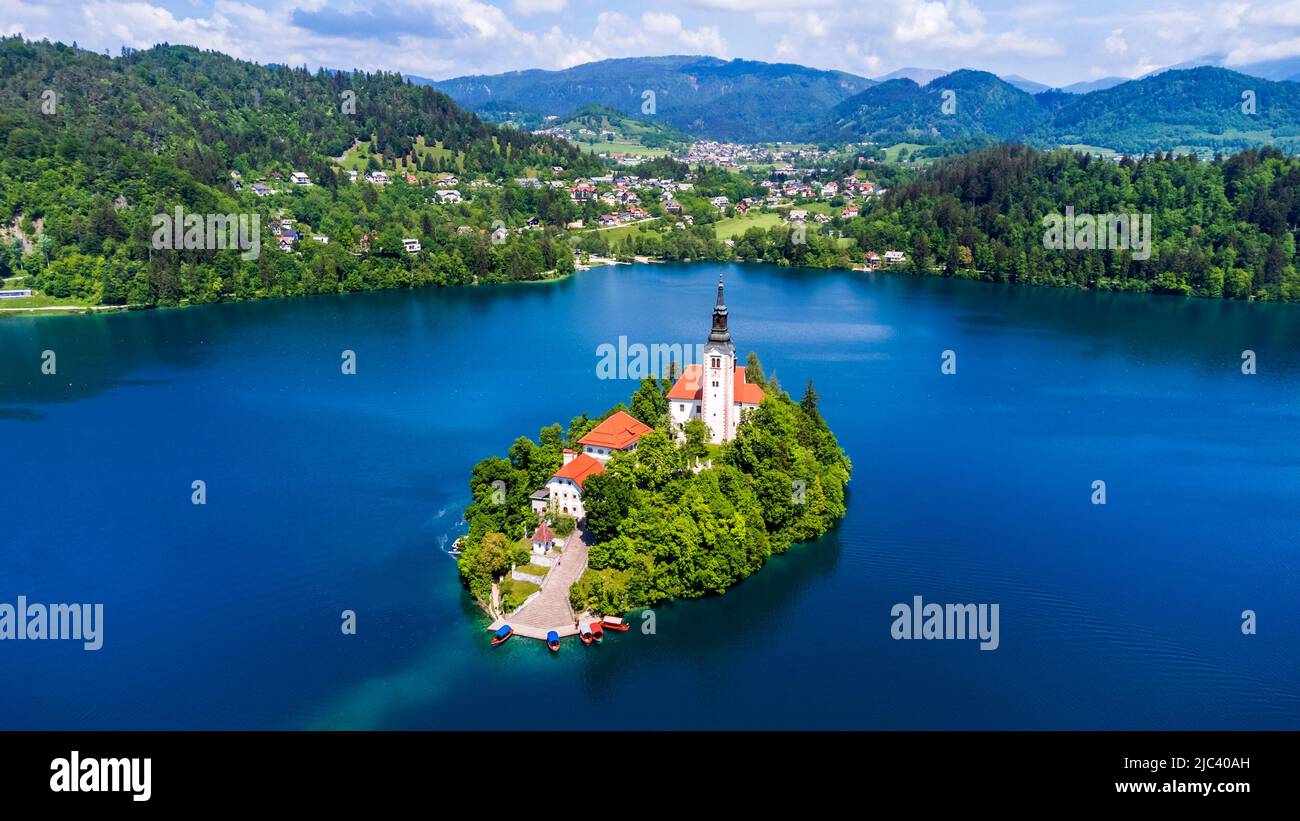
x: 683, y: 492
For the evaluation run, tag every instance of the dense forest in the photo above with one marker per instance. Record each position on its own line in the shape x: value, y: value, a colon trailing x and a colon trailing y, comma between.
x: 1224, y: 228
x: 94, y: 146
x: 658, y: 529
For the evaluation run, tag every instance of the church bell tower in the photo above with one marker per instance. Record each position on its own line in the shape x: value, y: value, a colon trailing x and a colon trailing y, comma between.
x: 718, y: 367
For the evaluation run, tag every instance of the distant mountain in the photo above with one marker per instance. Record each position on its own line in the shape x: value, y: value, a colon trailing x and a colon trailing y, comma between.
x: 1025, y: 85
x: 1285, y: 68
x: 920, y: 76
x: 1177, y: 108
x: 925, y: 76
x: 1198, y: 108
x: 598, y: 126
x: 1088, y: 86
x: 978, y: 103
x: 741, y: 100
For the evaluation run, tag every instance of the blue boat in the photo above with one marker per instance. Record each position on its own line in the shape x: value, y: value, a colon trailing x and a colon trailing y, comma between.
x: 553, y: 641
x: 501, y: 635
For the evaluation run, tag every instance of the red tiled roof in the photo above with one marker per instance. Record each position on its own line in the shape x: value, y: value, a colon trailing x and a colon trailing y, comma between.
x: 543, y: 534
x: 579, y: 469
x: 689, y: 387
x: 617, y: 432
x: 742, y: 391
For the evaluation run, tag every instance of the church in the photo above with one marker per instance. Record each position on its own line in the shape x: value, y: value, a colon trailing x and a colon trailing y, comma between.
x: 714, y: 390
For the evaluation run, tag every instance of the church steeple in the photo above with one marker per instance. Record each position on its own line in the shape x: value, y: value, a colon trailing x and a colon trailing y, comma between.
x: 720, y: 332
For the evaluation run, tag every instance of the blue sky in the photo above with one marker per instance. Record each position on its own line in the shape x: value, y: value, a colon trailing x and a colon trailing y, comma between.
x: 1048, y: 41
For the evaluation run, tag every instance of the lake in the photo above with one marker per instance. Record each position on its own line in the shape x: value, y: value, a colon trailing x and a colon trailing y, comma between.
x: 327, y: 492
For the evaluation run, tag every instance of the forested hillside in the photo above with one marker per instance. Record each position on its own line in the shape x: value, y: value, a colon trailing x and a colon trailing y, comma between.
x: 744, y: 100
x: 93, y: 147
x: 1222, y: 229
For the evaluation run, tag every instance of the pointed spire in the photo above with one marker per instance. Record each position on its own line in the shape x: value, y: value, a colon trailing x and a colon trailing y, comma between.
x: 720, y: 332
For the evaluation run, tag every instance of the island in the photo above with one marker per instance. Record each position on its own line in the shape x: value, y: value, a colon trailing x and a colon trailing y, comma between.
x: 683, y: 492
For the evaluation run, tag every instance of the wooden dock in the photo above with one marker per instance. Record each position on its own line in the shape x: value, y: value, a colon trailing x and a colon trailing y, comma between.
x: 529, y: 631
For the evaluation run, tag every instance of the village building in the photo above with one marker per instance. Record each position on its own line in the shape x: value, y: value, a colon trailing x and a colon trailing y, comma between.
x: 543, y: 539
x: 562, y: 495
x: 715, y: 390
x: 620, y: 432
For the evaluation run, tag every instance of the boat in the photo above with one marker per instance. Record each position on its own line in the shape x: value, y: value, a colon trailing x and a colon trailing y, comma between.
x: 615, y: 623
x: 501, y: 635
x: 553, y: 641
x: 584, y: 633
x: 597, y: 632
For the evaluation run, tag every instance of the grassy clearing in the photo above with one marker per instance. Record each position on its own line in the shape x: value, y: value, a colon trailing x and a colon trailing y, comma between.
x: 39, y: 300
x: 733, y: 227
x: 623, y: 231
x: 892, y: 152
x: 513, y: 593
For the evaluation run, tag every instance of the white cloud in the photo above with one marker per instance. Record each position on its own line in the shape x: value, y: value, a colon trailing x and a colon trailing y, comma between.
x: 527, y: 7
x: 442, y: 38
x: 654, y: 33
x: 1115, y: 42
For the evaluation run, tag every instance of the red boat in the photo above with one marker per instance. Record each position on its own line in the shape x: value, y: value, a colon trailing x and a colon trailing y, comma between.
x: 615, y: 623
x: 553, y: 641
x: 584, y: 634
x: 597, y: 632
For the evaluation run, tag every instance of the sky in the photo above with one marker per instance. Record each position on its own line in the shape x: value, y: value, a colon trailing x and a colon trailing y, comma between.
x: 1051, y: 42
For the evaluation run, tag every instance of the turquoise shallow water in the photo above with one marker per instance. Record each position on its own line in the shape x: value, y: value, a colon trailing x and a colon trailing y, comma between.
x: 328, y: 493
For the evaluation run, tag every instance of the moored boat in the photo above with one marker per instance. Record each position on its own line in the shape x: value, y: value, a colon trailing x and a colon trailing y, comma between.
x: 553, y: 641
x: 597, y: 632
x: 615, y: 623
x: 500, y: 636
x: 584, y: 633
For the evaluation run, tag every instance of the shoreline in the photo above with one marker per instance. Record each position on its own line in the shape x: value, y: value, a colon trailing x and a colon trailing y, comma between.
x: 605, y: 262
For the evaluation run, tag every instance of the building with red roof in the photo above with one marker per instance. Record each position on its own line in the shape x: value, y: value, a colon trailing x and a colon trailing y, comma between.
x: 621, y: 431
x: 562, y: 495
x: 543, y: 539
x: 715, y: 390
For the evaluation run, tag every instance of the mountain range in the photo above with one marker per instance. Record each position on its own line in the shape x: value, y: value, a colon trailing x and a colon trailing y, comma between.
x: 733, y: 100
x: 1185, y: 108
x: 1201, y: 108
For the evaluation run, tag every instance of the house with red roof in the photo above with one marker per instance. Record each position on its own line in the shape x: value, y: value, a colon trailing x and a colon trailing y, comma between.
x: 562, y: 495
x: 620, y: 432
x: 543, y: 539
x: 714, y: 390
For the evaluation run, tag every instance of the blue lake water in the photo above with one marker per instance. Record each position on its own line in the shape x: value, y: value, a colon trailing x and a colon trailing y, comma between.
x: 328, y: 492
